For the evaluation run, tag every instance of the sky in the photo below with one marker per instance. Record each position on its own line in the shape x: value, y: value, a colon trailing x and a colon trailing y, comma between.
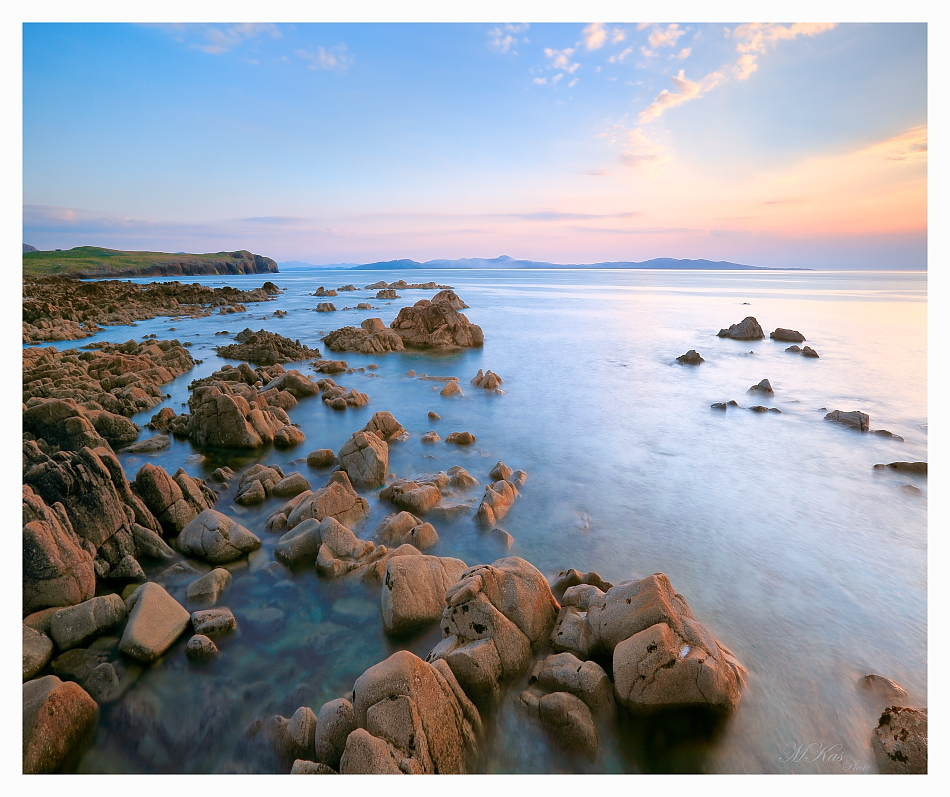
x: 783, y: 144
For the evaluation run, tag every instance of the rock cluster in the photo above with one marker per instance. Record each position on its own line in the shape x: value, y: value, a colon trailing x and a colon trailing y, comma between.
x: 321, y: 291
x: 437, y: 324
x: 429, y: 493
x: 371, y: 337
x: 499, y: 495
x: 57, y: 308
x: 120, y: 378
x: 266, y: 348
x: 488, y: 381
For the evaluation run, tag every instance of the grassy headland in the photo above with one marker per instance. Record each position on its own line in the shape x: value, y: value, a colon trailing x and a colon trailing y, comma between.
x: 96, y: 262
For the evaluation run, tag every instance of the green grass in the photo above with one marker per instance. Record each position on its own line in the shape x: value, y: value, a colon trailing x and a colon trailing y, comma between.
x: 94, y: 259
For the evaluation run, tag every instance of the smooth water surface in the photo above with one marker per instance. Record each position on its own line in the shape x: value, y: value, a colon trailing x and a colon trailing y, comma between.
x: 796, y: 554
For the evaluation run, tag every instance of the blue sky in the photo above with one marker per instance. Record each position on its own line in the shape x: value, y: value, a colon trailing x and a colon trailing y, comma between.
x: 781, y: 144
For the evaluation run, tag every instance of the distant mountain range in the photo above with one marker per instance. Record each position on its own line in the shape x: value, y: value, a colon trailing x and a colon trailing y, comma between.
x: 509, y: 262
x: 291, y: 265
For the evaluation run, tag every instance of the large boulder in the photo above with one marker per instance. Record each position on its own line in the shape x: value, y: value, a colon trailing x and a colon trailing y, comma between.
x: 385, y: 427
x: 365, y: 458
x: 747, y: 329
x: 436, y: 324
x: 174, y: 500
x: 900, y: 741
x: 58, y: 718
x: 206, y: 590
x: 156, y: 620
x: 67, y: 426
x: 75, y: 626
x: 57, y: 568
x: 567, y: 718
x: 787, y: 335
x: 498, y: 499
x: 216, y: 538
x: 226, y: 414
x: 98, y: 500
x: 335, y: 722
x: 417, y: 497
x: 368, y: 338
x: 419, y: 713
x: 37, y: 651
x: 336, y: 499
x: 564, y: 672
x: 413, y: 591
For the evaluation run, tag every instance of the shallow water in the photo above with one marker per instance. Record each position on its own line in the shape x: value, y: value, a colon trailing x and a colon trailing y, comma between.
x: 797, y: 555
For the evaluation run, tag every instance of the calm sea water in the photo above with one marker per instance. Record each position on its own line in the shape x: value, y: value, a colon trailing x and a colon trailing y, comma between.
x: 796, y: 554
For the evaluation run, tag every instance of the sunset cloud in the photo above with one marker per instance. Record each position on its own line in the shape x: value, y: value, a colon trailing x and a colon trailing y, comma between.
x: 754, y: 38
x: 686, y: 90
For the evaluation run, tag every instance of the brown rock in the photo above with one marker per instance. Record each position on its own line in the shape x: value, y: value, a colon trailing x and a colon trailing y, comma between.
x: 58, y: 719
x: 747, y: 329
x: 900, y: 741
x: 413, y: 591
x: 856, y: 420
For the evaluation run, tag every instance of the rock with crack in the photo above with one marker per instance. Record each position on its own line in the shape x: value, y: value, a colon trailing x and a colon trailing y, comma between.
x: 216, y: 538
x: 567, y: 718
x: 78, y: 625
x: 411, y: 717
x: 488, y: 381
x: 413, y: 591
x: 371, y: 337
x: 336, y: 499
x: 365, y: 458
x: 386, y: 427
x: 174, y: 500
x: 437, y: 324
x: 564, y: 672
x: 495, y: 616
x: 854, y: 419
x: 497, y: 500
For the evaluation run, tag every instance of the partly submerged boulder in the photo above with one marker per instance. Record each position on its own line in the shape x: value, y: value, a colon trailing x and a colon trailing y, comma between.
x: 413, y: 591
x: 856, y: 420
x: 747, y: 329
x: 216, y: 538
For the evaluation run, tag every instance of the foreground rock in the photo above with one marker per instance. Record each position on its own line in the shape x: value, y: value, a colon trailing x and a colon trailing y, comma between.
x: 78, y: 625
x: 58, y: 719
x: 661, y: 656
x: 57, y: 567
x: 365, y: 458
x: 156, y: 620
x: 900, y: 741
x: 747, y: 329
x: 856, y: 420
x: 413, y: 591
x: 412, y: 717
x: 216, y: 538
x: 495, y: 616
x: 266, y: 348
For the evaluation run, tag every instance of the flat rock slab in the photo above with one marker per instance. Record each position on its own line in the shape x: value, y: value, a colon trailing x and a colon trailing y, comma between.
x: 156, y: 620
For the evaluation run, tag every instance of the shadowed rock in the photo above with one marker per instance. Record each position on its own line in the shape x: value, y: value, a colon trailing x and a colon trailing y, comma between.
x: 747, y: 329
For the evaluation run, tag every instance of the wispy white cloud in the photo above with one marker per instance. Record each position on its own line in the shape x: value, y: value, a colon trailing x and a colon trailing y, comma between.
x: 753, y: 39
x: 620, y: 57
x: 561, y: 60
x: 222, y: 39
x: 686, y: 90
x: 336, y: 58
x: 640, y: 150
x: 683, y: 54
x: 665, y: 38
x: 595, y: 36
x: 504, y: 38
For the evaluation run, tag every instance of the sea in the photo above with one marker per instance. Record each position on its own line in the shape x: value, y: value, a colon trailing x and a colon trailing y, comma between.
x: 790, y: 547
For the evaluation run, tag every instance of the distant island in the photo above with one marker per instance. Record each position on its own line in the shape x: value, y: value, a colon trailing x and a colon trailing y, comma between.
x: 509, y: 262
x: 93, y: 262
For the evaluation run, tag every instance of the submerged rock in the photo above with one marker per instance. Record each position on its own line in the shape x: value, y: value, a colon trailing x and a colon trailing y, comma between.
x: 787, y: 335
x: 762, y: 387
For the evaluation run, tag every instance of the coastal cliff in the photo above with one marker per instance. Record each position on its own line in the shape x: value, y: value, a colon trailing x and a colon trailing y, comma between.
x: 91, y: 262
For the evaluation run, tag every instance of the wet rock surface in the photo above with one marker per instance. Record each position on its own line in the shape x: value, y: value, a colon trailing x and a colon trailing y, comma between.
x: 899, y: 741
x: 266, y: 348
x: 747, y: 329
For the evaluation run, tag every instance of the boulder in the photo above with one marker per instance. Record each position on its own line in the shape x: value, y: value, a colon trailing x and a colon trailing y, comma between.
x: 564, y: 672
x: 856, y: 420
x: 787, y: 335
x: 57, y: 568
x: 58, y: 718
x: 336, y: 499
x: 567, y: 718
x: 292, y: 484
x: 206, y: 590
x: 174, y: 500
x: 77, y: 625
x: 571, y: 578
x: 487, y: 381
x: 321, y: 458
x: 303, y: 767
x: 157, y: 443
x: 416, y: 496
x: 200, y: 648
x: 692, y: 357
x: 385, y: 427
x: 808, y: 351
x: 430, y: 437
x: 497, y: 500
x: 299, y: 546
x: 404, y: 527
x: 335, y: 722
x: 747, y: 329
x: 900, y: 741
x: 572, y: 634
x: 326, y: 307
x: 369, y: 338
x: 150, y: 544
x: 365, y: 458
x: 419, y: 710
x: 883, y: 690
x: 216, y: 538
x: 288, y: 436
x: 366, y: 754
x: 762, y: 387
x: 461, y: 438
x: 794, y: 349
x: 413, y: 591
x: 156, y: 620
x: 210, y: 622
x: 37, y: 651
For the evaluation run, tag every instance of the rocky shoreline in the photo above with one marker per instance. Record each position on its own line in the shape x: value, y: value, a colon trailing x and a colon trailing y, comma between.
x: 583, y: 653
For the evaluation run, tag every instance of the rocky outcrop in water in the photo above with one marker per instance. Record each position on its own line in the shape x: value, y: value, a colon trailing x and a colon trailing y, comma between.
x: 55, y: 308
x: 854, y: 419
x: 437, y: 324
x: 336, y: 499
x: 266, y: 348
x: 787, y: 335
x: 918, y: 468
x: 216, y: 538
x: 365, y: 458
x: 747, y: 329
x: 899, y: 741
x: 371, y: 337
x: 123, y: 378
x: 413, y: 591
x: 692, y: 357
